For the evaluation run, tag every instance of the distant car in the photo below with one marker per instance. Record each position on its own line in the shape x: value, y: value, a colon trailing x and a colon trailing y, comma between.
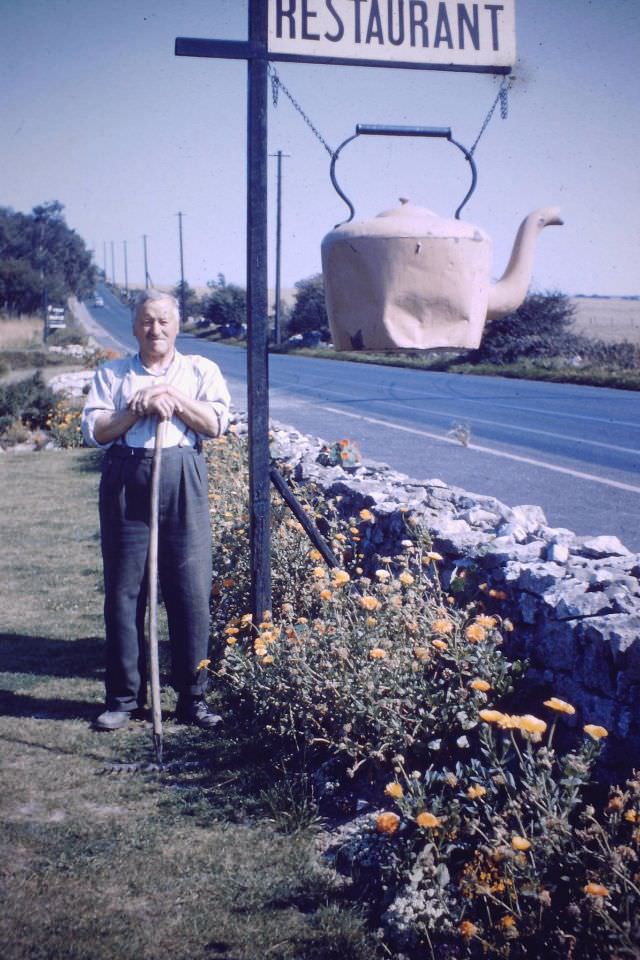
x: 98, y: 301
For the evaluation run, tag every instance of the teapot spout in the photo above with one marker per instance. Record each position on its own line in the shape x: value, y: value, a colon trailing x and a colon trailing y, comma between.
x: 509, y: 292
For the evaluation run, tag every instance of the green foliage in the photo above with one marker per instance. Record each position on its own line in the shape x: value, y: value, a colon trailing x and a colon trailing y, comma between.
x: 191, y: 299
x: 226, y: 305
x: 309, y: 311
x: 538, y: 328
x: 63, y: 424
x: 39, y: 251
x: 29, y: 401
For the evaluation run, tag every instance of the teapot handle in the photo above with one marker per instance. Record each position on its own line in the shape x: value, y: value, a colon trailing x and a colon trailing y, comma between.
x: 379, y: 130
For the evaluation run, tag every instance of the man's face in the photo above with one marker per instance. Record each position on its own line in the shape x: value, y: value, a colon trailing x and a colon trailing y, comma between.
x: 156, y: 328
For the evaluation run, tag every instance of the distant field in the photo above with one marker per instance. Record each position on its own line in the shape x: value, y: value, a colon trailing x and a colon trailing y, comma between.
x: 611, y: 320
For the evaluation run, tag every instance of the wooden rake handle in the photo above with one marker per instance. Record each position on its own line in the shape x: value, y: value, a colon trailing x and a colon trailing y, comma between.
x: 152, y: 567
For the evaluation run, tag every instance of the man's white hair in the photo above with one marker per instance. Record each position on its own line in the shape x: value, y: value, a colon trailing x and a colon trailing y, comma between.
x: 151, y: 296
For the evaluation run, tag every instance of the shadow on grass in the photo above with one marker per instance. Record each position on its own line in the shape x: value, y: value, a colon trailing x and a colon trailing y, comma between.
x: 91, y: 463
x: 44, y: 657
x: 45, y: 708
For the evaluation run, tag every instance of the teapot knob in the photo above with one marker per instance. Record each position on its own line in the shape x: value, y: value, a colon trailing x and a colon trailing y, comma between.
x: 403, y: 200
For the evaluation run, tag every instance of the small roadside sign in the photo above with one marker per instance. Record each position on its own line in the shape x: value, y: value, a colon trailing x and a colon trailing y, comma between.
x: 422, y: 34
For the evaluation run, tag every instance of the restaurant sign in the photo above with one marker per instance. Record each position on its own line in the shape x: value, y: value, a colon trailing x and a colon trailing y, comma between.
x: 427, y: 34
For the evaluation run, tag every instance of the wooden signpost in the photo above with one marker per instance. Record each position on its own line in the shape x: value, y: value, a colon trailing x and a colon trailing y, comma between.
x: 414, y: 34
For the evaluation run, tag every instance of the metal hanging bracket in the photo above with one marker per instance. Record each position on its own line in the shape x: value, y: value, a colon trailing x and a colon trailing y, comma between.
x: 379, y: 130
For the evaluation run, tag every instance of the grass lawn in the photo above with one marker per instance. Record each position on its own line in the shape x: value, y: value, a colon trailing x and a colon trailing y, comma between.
x: 189, y: 863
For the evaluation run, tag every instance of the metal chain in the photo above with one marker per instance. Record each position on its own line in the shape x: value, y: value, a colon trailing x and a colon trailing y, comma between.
x: 276, y: 86
x: 502, y: 98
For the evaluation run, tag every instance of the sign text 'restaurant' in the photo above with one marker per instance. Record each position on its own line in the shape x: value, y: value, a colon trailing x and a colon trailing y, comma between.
x: 430, y: 33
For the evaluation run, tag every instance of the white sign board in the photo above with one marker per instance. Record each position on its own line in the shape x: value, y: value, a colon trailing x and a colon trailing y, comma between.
x: 430, y: 34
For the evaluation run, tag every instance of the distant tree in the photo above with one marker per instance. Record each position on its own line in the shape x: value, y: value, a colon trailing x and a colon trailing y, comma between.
x: 192, y: 305
x: 20, y: 287
x: 226, y: 305
x: 309, y: 311
x: 540, y: 327
x: 43, y: 242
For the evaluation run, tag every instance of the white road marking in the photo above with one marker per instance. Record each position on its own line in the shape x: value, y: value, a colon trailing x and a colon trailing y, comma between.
x: 495, y: 453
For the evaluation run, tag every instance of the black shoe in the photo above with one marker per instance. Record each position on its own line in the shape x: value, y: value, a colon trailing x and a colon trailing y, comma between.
x: 195, y: 712
x: 112, y: 720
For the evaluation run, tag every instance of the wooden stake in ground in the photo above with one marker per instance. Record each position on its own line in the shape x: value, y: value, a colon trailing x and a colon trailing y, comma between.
x: 152, y: 646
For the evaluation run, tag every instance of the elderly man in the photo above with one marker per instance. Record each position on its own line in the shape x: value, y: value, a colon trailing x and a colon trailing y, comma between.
x: 126, y: 399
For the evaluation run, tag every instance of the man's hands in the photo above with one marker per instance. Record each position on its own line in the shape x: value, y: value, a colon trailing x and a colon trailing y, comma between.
x: 161, y: 401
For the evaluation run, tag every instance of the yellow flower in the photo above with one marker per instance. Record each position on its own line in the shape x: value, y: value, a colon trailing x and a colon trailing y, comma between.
x: 371, y: 621
x: 369, y: 603
x: 268, y: 659
x: 246, y: 618
x: 596, y: 890
x: 426, y: 819
x: 561, y: 706
x: 326, y: 595
x: 440, y: 644
x: 596, y: 732
x: 406, y: 579
x: 230, y: 631
x: 474, y: 793
x: 531, y: 726
x: 491, y: 716
x: 475, y: 632
x: 442, y: 626
x: 203, y: 664
x: 498, y: 594
x: 382, y: 574
x: 485, y: 621
x: 481, y: 685
x: 387, y: 823
x: 377, y: 653
x: 366, y: 515
x: 231, y: 641
x: 520, y: 843
x: 394, y: 790
x: 507, y: 923
x: 260, y: 650
x: 319, y: 573
x: 340, y: 577
x: 421, y: 653
x: 631, y: 816
x: 314, y: 555
x: 228, y: 582
x: 433, y: 555
x: 468, y: 929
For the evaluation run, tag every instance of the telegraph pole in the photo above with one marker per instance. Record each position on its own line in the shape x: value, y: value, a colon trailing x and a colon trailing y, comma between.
x: 113, y: 266
x: 104, y: 258
x: 126, y: 271
x: 182, y: 316
x: 276, y: 320
x: 146, y: 268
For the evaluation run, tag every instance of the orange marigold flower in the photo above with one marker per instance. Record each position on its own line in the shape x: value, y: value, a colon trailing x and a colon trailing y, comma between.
x: 440, y: 644
x: 560, y: 706
x: 508, y: 922
x: 468, y: 929
x: 387, y: 823
x: 421, y: 653
x: 442, y: 625
x: 260, y: 651
x: 498, y: 594
x: 340, y: 577
x: 474, y: 633
x: 230, y: 631
x: 326, y: 595
x: 383, y: 574
x: 371, y: 621
x: 491, y: 716
x: 486, y: 621
x: 228, y: 582
x: 377, y: 653
x: 268, y: 659
x: 319, y: 573
x: 428, y: 820
x: 366, y: 515
x: 528, y: 724
x: 231, y: 641
x: 481, y: 685
x: 203, y: 664
x: 433, y: 555
x: 596, y: 890
x: 406, y: 579
x: 475, y: 792
x: 520, y: 843
x: 314, y: 555
x: 394, y: 790
x: 631, y: 816
x: 369, y: 603
x: 596, y: 732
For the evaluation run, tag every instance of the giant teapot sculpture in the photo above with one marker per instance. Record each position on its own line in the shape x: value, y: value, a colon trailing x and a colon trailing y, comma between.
x: 409, y: 279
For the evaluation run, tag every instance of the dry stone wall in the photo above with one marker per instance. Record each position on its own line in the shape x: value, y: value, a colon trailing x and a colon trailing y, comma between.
x: 575, y: 601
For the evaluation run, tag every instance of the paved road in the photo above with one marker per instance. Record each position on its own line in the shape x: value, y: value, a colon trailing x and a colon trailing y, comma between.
x: 573, y: 450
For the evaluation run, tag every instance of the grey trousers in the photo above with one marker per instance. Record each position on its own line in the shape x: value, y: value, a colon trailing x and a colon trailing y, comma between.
x: 184, y: 567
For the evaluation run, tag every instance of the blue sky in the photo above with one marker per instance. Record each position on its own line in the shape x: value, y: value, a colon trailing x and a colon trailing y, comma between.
x: 97, y: 112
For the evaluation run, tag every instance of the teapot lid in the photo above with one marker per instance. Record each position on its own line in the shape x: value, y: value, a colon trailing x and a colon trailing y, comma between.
x: 409, y: 220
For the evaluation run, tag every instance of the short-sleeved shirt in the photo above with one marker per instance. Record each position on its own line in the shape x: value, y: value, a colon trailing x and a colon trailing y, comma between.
x: 116, y: 381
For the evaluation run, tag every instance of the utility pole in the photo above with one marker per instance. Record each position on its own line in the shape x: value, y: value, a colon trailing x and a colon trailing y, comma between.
x: 276, y: 320
x: 113, y: 265
x: 146, y: 268
x: 104, y: 258
x: 182, y: 316
x: 126, y: 271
